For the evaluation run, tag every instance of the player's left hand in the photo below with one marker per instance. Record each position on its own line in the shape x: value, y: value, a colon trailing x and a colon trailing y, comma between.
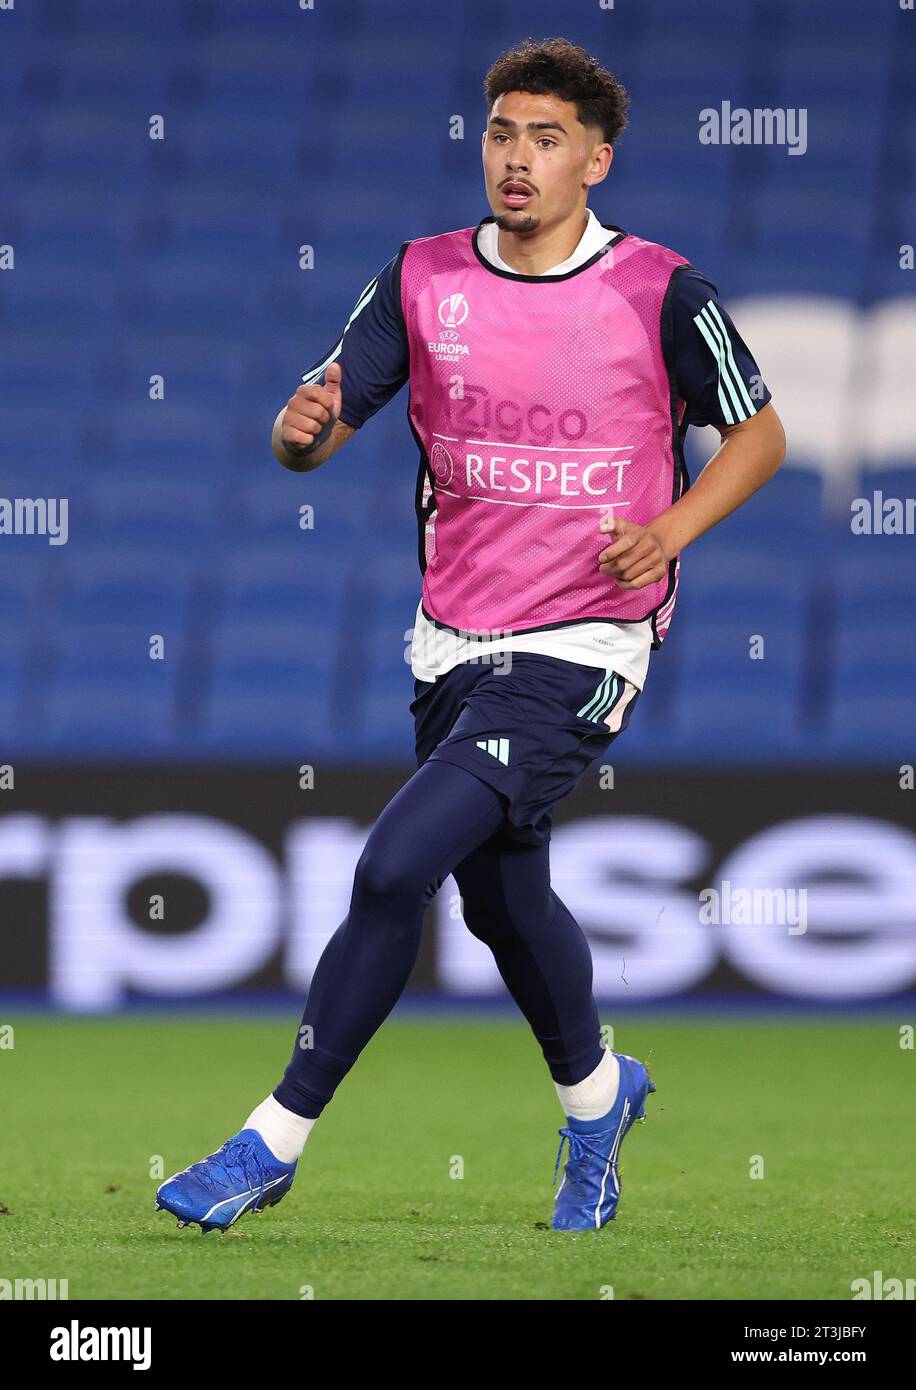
x: 636, y: 557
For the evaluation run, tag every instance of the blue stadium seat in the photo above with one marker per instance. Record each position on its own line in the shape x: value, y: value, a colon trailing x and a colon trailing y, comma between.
x: 896, y: 483
x: 245, y: 147
x: 773, y: 523
x: 60, y: 441
x: 877, y: 652
x: 742, y: 720
x: 24, y: 369
x: 385, y: 733
x: 871, y: 570
x: 19, y: 612
x: 11, y: 712
x: 715, y: 21
x: 146, y: 19
x: 109, y: 648
x: 200, y: 369
x: 118, y: 92
x: 97, y: 716
x: 871, y: 724
x: 102, y: 151
x: 173, y: 289
x: 736, y: 647
x: 654, y: 212
x: 804, y: 264
x: 125, y: 565
x: 397, y: 216
x: 302, y: 639
x: 273, y: 505
x: 61, y: 294
x: 54, y: 236
x: 722, y: 565
x: 827, y: 19
x: 120, y: 628
x: 252, y: 19
x: 264, y: 722
x: 261, y: 673
x: 254, y: 576
x: 182, y: 512
x: 162, y: 436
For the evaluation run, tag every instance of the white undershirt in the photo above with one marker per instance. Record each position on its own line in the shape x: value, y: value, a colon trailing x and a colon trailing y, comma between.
x: 623, y: 648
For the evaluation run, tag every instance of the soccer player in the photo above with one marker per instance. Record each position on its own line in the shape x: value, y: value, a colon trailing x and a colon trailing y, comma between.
x: 555, y: 364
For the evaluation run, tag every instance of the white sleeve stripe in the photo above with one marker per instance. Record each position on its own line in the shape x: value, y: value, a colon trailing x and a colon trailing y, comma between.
x: 308, y: 378
x: 724, y: 368
x: 715, y: 334
x: 732, y: 363
x: 717, y: 354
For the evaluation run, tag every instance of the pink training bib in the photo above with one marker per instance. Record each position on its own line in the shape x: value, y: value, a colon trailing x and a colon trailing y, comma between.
x: 539, y: 405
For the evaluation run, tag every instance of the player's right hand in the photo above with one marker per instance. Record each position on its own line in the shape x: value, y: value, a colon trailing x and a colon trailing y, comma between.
x: 310, y: 408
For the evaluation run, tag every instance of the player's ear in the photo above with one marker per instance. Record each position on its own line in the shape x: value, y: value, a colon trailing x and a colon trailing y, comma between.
x: 602, y: 159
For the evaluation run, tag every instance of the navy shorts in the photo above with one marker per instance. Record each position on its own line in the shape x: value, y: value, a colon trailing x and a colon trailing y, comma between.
x: 529, y: 731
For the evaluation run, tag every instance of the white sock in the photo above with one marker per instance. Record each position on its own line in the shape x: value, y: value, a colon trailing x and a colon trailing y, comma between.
x: 283, y: 1132
x: 595, y: 1096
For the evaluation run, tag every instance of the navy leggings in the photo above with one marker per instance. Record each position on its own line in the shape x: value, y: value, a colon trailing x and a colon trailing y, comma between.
x: 444, y: 820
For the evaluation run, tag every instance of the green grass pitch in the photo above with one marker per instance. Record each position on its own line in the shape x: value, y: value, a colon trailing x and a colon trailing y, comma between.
x: 375, y: 1211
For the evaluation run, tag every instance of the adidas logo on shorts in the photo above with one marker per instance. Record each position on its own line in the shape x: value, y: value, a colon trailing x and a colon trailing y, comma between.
x: 497, y: 747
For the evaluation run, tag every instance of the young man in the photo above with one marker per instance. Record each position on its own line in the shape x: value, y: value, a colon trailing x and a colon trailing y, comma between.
x: 555, y: 364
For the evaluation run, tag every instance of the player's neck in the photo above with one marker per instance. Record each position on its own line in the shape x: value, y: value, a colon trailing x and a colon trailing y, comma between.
x: 534, y: 253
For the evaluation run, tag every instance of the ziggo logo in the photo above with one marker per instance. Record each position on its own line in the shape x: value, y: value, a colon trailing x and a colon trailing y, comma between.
x: 475, y: 413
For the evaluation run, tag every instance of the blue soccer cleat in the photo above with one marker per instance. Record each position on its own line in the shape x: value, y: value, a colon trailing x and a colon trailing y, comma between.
x: 587, y: 1197
x: 241, y: 1176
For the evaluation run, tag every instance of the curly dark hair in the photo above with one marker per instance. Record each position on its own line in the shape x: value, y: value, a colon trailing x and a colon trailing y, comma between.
x: 559, y: 68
